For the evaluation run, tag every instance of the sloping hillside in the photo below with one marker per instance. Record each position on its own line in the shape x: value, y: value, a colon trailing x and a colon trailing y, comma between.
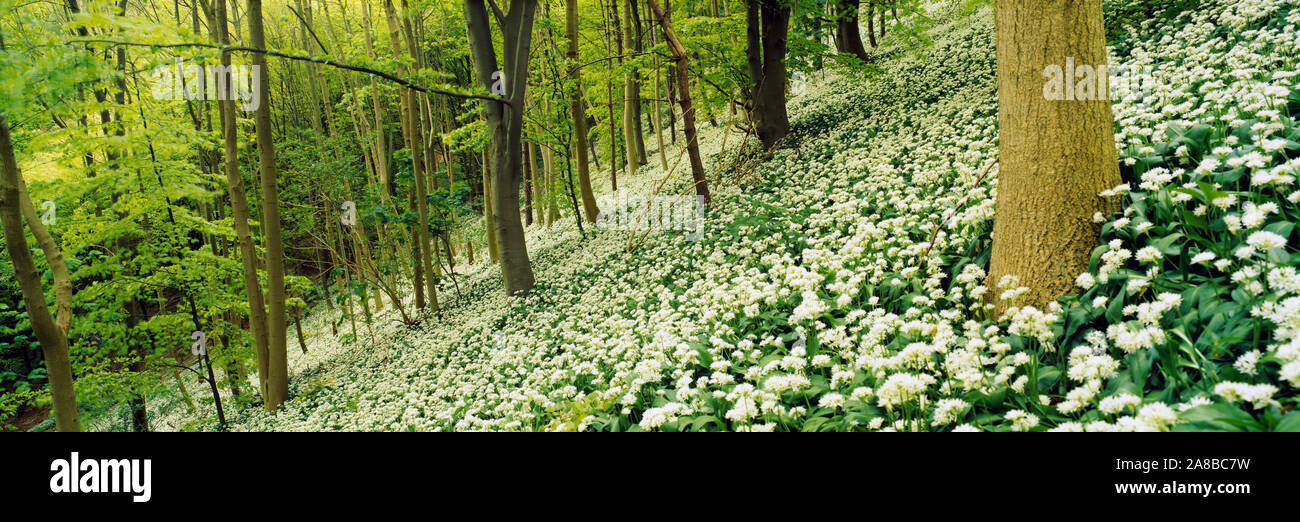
x: 839, y: 284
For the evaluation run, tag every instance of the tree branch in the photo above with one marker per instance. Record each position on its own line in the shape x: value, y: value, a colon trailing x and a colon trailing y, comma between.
x: 310, y: 59
x: 313, y: 33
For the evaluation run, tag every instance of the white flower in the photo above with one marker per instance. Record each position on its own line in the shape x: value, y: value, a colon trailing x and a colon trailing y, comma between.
x: 1085, y: 281
x: 1148, y: 254
x: 900, y: 388
x: 947, y: 410
x: 831, y: 400
x: 1265, y: 240
x: 1259, y: 395
x: 1157, y: 415
x: 1021, y: 420
x: 1116, y: 403
x: 1246, y: 362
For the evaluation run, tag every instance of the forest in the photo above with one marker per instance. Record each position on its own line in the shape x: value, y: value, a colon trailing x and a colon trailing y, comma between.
x: 649, y: 215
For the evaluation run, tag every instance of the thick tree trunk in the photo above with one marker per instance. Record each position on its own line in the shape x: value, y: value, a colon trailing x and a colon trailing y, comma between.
x: 505, y: 126
x: 54, y: 343
x: 1054, y: 156
x: 277, y: 384
x: 578, y: 115
x: 765, y: 53
x: 848, y: 37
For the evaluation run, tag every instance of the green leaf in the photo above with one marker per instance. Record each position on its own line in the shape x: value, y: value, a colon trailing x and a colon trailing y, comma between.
x: 1289, y: 423
x: 1217, y: 417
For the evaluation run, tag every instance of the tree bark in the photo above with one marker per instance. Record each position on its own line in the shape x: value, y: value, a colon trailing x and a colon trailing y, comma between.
x: 490, y: 236
x: 53, y: 256
x: 655, y: 122
x: 1054, y: 156
x: 848, y: 36
x: 765, y: 53
x: 578, y: 115
x: 412, y: 124
x: 540, y: 188
x: 240, y: 212
x: 528, y: 185
x: 505, y: 126
x: 871, y: 23
x: 54, y: 343
x: 277, y: 384
x: 634, y: 143
x: 684, y: 99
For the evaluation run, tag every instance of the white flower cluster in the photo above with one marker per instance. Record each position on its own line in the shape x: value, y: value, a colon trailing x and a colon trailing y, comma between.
x: 847, y: 284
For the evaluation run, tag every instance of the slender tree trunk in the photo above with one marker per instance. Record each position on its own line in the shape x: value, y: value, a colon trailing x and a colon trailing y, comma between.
x: 489, y: 213
x: 655, y: 122
x: 688, y: 112
x: 239, y: 209
x: 882, y: 22
x: 528, y: 185
x: 539, y: 183
x: 380, y: 146
x: 578, y: 115
x: 415, y: 143
x: 277, y: 385
x: 53, y: 256
x: 1054, y: 156
x: 549, y: 172
x: 871, y: 22
x: 633, y: 141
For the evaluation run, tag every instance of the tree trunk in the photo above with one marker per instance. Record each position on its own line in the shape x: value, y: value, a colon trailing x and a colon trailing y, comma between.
x: 613, y: 40
x: 277, y: 384
x: 528, y: 185
x: 494, y: 255
x: 655, y: 122
x: 412, y: 124
x: 539, y: 183
x: 578, y: 115
x: 239, y: 209
x: 633, y: 141
x: 871, y: 23
x: 380, y: 146
x: 53, y: 256
x: 1054, y: 156
x: 848, y: 37
x: 765, y: 53
x: 54, y: 343
x: 505, y: 126
x: 684, y: 93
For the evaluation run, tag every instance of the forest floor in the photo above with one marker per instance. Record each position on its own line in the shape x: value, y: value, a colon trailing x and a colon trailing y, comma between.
x: 815, y: 282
